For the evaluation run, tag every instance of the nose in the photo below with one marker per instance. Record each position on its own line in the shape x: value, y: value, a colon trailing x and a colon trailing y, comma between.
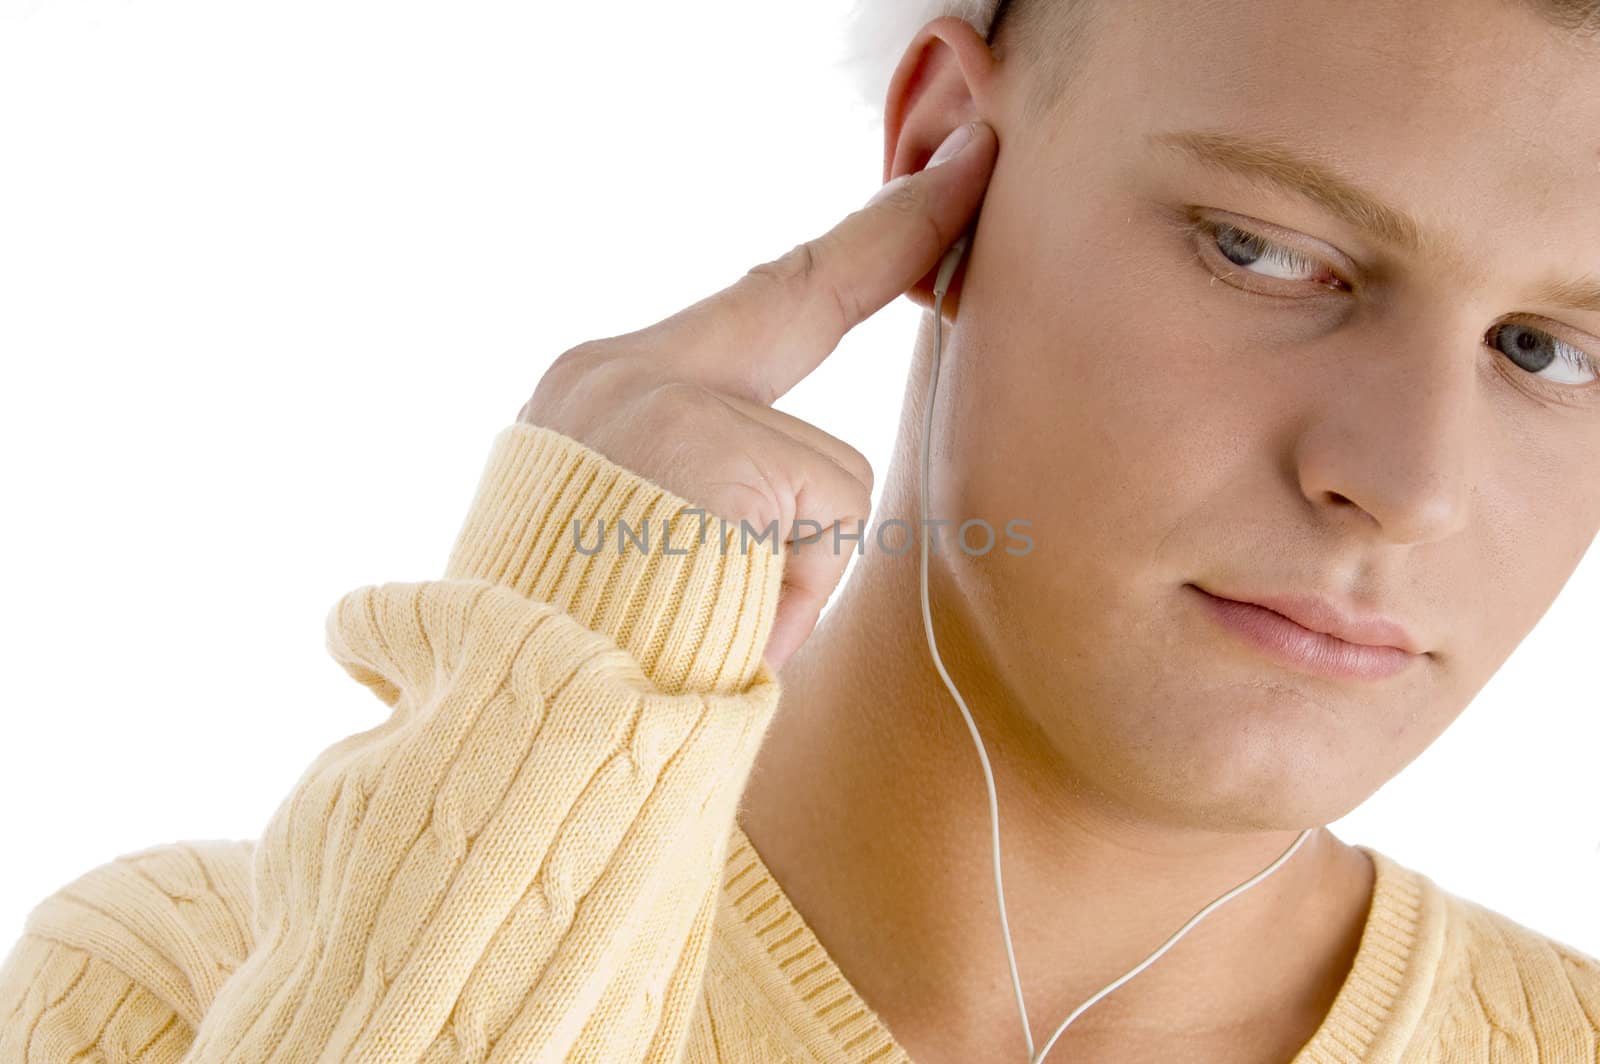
x: 1393, y: 431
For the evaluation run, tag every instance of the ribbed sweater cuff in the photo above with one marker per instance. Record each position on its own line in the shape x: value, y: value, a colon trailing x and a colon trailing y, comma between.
x: 695, y: 610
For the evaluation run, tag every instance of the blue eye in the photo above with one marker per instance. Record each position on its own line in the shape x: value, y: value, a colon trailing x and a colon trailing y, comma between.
x: 1271, y: 268
x: 1284, y: 270
x: 1536, y: 350
x: 1261, y: 255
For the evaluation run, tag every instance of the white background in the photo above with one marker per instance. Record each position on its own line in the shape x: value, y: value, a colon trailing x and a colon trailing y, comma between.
x: 271, y: 279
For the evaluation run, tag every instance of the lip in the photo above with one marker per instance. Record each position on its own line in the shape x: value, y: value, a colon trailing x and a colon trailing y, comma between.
x: 1312, y: 635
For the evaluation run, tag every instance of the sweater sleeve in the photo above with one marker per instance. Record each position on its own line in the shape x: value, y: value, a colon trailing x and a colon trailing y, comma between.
x: 521, y: 860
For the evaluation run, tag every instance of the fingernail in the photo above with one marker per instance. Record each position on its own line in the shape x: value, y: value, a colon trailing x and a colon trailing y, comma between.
x: 959, y: 138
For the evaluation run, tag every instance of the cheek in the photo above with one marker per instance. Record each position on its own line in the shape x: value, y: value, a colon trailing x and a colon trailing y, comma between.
x: 1091, y: 400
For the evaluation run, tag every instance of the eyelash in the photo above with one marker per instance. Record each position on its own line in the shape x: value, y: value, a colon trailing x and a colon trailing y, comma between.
x: 1211, y: 230
x: 1268, y: 250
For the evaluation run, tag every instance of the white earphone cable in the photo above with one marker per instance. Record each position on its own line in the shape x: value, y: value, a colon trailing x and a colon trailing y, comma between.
x: 947, y: 268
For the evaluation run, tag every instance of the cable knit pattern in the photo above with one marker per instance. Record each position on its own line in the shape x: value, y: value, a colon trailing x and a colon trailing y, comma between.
x: 535, y: 856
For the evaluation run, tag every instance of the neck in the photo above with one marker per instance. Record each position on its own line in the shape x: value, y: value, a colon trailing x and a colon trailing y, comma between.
x: 868, y: 803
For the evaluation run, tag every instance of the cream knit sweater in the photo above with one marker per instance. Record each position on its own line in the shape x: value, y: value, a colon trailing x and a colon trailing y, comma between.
x: 535, y: 855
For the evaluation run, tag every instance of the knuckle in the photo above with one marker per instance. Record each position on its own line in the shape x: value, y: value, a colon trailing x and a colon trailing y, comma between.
x: 760, y: 386
x: 577, y: 358
x: 846, y: 306
x: 592, y: 375
x: 859, y: 467
x: 758, y: 503
x: 860, y: 501
x: 849, y: 461
x: 799, y: 273
x: 567, y: 369
x: 583, y: 370
x: 680, y: 402
x: 795, y: 267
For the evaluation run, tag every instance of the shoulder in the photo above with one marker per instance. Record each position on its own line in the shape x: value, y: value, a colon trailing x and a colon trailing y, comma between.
x: 1495, y: 937
x: 171, y: 920
x: 1516, y: 977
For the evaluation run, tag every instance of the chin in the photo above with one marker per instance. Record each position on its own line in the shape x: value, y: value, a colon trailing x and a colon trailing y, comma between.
x: 1231, y: 757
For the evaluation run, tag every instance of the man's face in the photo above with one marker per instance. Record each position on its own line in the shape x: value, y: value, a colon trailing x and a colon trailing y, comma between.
x: 1331, y: 414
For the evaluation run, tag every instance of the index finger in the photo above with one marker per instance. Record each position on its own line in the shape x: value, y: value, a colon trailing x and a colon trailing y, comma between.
x: 763, y: 334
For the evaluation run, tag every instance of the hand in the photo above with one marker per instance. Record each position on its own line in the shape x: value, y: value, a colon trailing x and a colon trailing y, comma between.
x: 687, y: 402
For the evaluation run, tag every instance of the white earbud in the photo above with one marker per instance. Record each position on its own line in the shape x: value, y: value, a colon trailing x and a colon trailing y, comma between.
x: 947, y: 267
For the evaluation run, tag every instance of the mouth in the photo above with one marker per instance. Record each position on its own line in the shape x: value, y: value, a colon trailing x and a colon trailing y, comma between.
x: 1296, y: 645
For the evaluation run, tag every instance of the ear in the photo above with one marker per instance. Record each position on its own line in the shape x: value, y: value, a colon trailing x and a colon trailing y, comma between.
x: 945, y: 78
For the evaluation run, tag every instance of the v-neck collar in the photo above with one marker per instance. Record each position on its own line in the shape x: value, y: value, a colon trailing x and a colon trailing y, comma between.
x: 1371, y: 1020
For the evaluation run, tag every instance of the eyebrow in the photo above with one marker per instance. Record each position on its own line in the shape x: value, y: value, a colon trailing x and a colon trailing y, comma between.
x: 1276, y: 163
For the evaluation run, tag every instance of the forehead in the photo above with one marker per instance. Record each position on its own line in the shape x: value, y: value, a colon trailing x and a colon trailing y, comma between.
x: 1477, y: 116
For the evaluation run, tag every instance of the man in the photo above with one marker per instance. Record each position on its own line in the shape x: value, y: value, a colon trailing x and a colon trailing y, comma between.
x: 1290, y: 303
x: 1248, y: 313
